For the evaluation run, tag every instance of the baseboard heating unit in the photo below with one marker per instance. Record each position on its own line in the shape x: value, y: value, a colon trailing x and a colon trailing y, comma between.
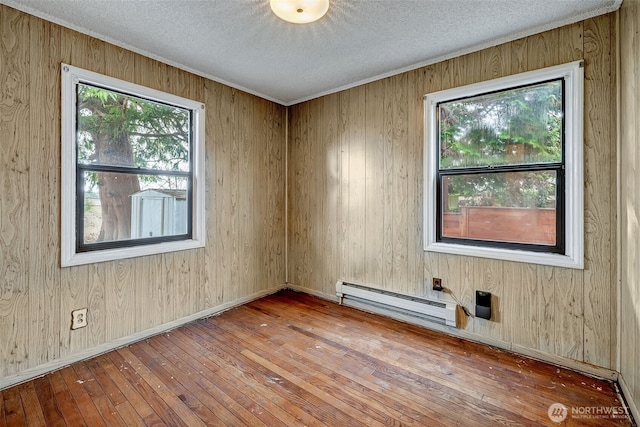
x: 362, y: 296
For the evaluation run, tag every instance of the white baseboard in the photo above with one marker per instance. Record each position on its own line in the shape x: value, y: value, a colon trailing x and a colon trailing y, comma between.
x: 629, y: 398
x: 54, y: 365
x: 585, y: 368
x: 121, y: 342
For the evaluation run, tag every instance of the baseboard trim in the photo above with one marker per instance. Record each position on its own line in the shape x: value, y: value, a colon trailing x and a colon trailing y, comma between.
x: 585, y: 368
x: 54, y: 365
x: 48, y: 367
x: 628, y: 398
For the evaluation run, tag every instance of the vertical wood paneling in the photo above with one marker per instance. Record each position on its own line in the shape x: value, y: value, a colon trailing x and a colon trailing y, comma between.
x: 313, y: 222
x: 353, y: 165
x: 216, y: 198
x: 519, y: 59
x: 195, y: 264
x: 416, y: 284
x: 293, y: 192
x: 315, y: 173
x: 614, y: 223
x: 571, y: 42
x: 14, y: 185
x: 129, y: 296
x: 568, y: 314
x: 518, y: 305
x: 246, y: 226
x: 261, y: 189
x: 220, y: 142
x: 496, y: 61
x: 341, y: 194
x: 275, y: 209
x: 374, y: 182
x: 96, y: 305
x: 389, y: 178
x: 328, y: 161
x: 630, y: 197
x: 546, y: 309
x: 315, y: 163
x: 400, y: 266
x: 120, y: 301
x: 236, y: 215
x: 75, y: 50
x: 563, y: 312
x: 429, y: 79
x: 277, y: 186
x: 146, y: 294
x: 44, y: 282
x: 299, y: 171
x: 599, y: 197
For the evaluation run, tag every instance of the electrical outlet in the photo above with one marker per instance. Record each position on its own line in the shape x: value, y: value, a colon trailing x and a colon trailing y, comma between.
x: 79, y: 318
x: 437, y: 284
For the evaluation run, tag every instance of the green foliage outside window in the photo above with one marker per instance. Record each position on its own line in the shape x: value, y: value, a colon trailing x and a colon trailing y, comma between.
x: 117, y: 130
x: 520, y: 126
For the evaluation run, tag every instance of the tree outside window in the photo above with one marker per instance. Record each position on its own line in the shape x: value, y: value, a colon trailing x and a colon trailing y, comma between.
x: 132, y: 167
x: 502, y: 155
x: 504, y: 168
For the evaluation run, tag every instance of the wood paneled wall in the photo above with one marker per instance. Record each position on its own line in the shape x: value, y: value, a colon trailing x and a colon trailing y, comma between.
x: 356, y: 204
x: 630, y: 197
x: 245, y: 156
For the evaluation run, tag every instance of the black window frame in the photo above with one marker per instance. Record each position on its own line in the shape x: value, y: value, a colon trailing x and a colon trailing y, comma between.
x: 557, y: 167
x: 82, y: 168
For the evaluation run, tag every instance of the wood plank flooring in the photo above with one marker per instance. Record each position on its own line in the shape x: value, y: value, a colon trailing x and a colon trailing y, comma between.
x: 290, y: 359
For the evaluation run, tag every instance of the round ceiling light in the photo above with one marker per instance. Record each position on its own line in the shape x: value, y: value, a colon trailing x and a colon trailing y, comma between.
x: 300, y: 11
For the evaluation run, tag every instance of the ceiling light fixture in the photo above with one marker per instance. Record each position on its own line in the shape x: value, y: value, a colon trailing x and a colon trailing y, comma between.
x: 300, y: 11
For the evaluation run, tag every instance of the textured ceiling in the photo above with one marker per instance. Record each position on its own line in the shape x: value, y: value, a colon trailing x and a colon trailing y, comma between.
x: 243, y: 44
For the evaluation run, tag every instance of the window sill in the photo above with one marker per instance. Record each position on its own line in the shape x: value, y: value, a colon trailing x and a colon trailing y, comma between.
x: 81, y: 258
x: 542, y: 258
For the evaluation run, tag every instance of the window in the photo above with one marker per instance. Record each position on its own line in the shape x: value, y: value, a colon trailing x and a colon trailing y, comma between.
x: 132, y: 170
x: 503, y: 168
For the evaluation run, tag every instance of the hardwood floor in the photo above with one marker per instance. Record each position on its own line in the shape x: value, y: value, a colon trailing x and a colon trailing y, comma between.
x: 291, y: 360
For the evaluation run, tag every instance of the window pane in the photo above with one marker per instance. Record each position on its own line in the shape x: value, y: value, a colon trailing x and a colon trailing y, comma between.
x: 122, y: 130
x: 128, y: 206
x: 506, y: 207
x: 511, y: 127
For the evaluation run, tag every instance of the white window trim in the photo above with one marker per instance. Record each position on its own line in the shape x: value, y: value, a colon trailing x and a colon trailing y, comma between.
x: 69, y: 257
x: 573, y: 73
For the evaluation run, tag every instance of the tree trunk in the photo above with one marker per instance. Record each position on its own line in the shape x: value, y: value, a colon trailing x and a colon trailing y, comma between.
x: 115, y: 189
